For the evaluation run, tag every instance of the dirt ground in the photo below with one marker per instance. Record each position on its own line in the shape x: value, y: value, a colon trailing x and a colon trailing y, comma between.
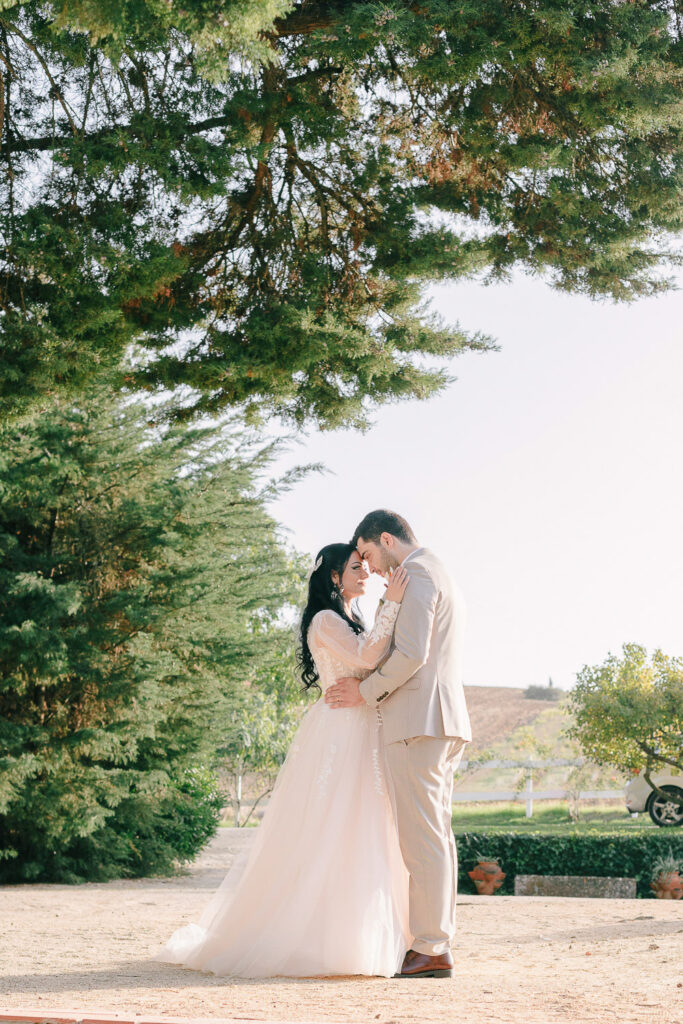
x: 519, y: 960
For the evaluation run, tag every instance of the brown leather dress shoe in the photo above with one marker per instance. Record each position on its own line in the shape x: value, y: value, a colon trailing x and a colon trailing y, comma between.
x: 421, y: 965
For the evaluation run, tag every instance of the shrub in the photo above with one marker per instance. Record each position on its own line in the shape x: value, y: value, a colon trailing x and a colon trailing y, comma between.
x: 146, y: 835
x: 543, y: 693
x: 190, y: 816
x: 598, y: 854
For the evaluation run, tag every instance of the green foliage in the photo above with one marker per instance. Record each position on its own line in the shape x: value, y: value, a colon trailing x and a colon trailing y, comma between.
x: 629, y: 711
x: 265, y: 715
x: 215, y: 29
x: 141, y: 587
x: 667, y: 863
x: 527, y: 743
x: 259, y: 192
x: 621, y: 854
x: 256, y: 740
x: 259, y: 733
x: 142, y: 837
x: 190, y: 817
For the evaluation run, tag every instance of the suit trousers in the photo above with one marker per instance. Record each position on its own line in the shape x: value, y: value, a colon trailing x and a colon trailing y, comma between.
x: 421, y: 769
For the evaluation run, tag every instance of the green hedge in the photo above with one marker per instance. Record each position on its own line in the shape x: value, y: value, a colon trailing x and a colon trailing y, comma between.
x: 600, y: 854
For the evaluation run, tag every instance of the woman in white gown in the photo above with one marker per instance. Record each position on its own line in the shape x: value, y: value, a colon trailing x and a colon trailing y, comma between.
x: 324, y: 890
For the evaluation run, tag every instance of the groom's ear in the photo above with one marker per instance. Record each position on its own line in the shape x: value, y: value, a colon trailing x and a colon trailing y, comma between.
x: 387, y: 539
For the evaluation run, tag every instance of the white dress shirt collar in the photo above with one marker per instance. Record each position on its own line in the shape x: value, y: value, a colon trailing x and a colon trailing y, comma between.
x: 412, y: 554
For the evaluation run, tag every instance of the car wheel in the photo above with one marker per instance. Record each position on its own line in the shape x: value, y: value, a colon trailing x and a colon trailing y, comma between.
x: 666, y: 812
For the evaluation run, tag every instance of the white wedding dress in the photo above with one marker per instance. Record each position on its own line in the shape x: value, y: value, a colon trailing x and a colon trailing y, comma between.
x: 324, y: 890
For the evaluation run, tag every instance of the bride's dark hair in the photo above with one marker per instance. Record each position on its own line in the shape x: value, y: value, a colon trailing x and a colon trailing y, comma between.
x: 323, y: 593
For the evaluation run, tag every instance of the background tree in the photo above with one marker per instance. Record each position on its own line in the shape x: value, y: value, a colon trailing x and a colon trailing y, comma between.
x: 260, y: 191
x: 255, y: 744
x: 629, y: 713
x: 141, y: 582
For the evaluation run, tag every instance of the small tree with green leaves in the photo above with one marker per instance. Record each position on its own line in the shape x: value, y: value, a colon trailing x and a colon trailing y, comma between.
x: 629, y: 713
x: 263, y: 719
x: 256, y: 745
x: 530, y: 747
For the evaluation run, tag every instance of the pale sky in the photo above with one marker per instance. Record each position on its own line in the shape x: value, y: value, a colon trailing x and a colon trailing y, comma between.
x: 547, y: 477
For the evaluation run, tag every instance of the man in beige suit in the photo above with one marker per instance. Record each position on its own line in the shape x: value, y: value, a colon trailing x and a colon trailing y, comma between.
x: 426, y: 726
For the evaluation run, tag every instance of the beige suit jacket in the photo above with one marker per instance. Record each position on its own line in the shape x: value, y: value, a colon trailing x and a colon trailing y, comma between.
x: 418, y: 687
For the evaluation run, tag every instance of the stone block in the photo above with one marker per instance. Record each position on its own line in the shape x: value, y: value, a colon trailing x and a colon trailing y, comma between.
x: 575, y: 885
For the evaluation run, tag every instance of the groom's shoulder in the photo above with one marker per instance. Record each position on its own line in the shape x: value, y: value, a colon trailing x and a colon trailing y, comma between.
x: 427, y: 565
x: 427, y: 562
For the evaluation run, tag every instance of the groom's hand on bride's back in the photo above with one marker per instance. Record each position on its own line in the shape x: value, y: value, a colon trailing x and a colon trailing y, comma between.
x: 345, y: 693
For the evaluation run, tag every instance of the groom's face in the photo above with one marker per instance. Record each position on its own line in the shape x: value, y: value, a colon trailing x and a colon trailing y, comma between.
x: 378, y: 554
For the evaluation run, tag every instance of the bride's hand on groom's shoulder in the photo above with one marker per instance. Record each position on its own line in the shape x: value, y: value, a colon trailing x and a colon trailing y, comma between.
x: 396, y: 587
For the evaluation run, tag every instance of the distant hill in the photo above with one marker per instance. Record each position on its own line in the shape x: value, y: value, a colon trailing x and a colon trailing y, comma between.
x: 495, y: 713
x: 508, y: 725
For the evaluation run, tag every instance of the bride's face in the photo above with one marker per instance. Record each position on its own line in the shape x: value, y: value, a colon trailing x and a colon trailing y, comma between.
x: 354, y: 577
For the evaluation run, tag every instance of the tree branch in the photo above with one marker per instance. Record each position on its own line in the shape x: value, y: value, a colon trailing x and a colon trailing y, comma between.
x: 652, y: 753
x: 45, y: 143
x: 310, y: 16
x: 48, y: 73
x: 267, y: 792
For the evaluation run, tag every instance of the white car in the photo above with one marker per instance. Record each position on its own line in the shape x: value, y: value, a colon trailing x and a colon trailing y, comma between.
x: 641, y: 797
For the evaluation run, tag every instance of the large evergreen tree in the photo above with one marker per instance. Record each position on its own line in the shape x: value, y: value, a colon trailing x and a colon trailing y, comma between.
x: 141, y: 590
x: 258, y: 190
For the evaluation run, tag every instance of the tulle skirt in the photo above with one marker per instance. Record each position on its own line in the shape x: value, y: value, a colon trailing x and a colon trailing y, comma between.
x: 323, y: 890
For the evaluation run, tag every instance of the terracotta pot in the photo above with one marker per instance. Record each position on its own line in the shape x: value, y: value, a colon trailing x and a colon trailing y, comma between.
x: 668, y: 886
x: 487, y: 877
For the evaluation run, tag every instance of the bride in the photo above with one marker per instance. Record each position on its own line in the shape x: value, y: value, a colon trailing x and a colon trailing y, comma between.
x: 324, y: 890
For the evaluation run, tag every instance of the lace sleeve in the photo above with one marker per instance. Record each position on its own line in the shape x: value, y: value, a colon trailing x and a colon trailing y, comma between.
x: 359, y: 650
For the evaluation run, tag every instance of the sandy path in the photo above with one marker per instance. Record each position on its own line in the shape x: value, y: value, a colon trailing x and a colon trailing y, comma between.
x: 519, y: 961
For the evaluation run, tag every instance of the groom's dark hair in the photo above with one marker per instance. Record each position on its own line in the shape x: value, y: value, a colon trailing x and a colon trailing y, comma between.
x: 382, y: 521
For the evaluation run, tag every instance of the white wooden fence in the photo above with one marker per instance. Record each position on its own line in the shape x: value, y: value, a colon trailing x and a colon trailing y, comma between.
x: 528, y: 794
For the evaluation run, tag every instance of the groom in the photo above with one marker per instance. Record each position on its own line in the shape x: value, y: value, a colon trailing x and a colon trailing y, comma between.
x: 425, y: 724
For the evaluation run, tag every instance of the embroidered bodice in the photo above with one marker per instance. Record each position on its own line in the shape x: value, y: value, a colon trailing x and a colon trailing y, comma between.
x: 338, y: 651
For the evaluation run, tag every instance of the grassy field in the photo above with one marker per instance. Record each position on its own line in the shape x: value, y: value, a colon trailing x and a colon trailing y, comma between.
x: 550, y: 817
